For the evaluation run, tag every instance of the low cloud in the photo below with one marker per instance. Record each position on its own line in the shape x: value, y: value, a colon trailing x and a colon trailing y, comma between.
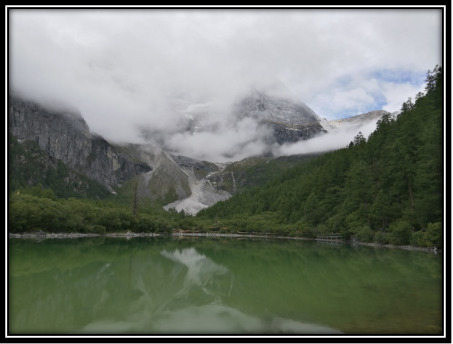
x: 128, y: 70
x: 336, y: 139
x: 230, y: 143
x: 394, y: 93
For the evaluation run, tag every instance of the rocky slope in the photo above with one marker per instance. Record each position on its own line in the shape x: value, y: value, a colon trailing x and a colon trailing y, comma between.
x: 64, y: 135
x: 291, y: 120
x: 29, y: 165
x: 359, y: 120
x: 176, y: 181
x: 204, y: 192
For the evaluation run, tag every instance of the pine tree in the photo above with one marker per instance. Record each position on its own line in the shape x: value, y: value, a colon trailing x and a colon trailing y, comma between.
x: 359, y: 138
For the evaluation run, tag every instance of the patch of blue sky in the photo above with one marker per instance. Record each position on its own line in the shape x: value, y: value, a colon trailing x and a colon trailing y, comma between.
x: 344, y: 81
x: 346, y: 113
x: 382, y: 76
x: 399, y: 76
x: 380, y: 102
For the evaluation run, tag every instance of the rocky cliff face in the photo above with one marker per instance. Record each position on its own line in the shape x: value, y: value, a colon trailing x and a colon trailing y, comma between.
x: 182, y: 182
x: 64, y: 135
x: 290, y: 119
x: 29, y: 165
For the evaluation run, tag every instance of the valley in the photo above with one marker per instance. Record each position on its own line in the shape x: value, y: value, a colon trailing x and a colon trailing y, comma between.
x: 173, y: 180
x: 364, y: 191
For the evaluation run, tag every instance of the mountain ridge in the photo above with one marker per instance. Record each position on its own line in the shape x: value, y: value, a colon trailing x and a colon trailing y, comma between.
x: 184, y: 182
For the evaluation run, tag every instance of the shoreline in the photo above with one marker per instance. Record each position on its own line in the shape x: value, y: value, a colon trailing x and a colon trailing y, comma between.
x: 43, y: 235
x: 401, y: 247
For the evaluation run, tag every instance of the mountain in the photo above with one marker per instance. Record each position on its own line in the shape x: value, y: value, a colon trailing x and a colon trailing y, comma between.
x: 290, y: 120
x: 175, y: 181
x: 359, y: 120
x: 271, y: 105
x: 274, y: 106
x: 64, y: 135
x: 384, y: 189
x: 65, y: 139
x: 29, y: 165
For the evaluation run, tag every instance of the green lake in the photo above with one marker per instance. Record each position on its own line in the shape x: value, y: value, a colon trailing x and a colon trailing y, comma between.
x: 220, y: 286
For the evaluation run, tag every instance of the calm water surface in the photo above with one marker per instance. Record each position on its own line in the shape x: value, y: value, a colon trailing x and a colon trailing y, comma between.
x: 169, y: 286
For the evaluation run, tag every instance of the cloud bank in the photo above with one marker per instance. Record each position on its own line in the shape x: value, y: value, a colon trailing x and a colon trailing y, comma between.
x: 337, y: 139
x: 126, y: 69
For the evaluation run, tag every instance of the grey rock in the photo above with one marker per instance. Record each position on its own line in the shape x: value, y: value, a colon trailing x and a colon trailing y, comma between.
x: 65, y: 135
x: 290, y: 120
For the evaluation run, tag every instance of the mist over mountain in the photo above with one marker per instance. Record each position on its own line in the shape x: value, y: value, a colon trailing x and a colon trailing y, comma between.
x: 174, y: 78
x: 196, y: 161
x: 221, y: 129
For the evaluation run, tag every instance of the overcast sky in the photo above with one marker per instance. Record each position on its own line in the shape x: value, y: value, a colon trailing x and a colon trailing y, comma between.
x: 120, y: 67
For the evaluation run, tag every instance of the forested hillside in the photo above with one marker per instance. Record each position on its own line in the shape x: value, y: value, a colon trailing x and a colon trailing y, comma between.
x: 37, y: 208
x: 29, y: 165
x: 387, y: 188
x: 258, y: 174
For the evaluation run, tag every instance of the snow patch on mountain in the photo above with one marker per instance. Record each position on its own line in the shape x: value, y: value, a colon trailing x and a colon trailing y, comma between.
x: 203, y: 194
x: 325, y: 123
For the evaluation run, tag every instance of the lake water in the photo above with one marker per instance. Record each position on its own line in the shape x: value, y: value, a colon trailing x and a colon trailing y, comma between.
x: 220, y: 286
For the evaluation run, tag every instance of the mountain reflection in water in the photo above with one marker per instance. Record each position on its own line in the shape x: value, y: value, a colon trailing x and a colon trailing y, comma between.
x: 198, y: 307
x: 162, y: 285
x: 201, y: 271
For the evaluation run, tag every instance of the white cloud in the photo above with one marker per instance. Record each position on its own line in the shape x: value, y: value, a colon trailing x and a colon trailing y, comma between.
x: 327, y: 142
x: 397, y: 94
x: 224, y: 144
x: 120, y: 67
x: 356, y: 100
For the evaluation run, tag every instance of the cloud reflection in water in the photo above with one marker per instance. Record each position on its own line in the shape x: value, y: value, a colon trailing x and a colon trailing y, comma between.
x: 199, y: 307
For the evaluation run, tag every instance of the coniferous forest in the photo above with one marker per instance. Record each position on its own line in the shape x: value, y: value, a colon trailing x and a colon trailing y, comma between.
x: 387, y: 188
